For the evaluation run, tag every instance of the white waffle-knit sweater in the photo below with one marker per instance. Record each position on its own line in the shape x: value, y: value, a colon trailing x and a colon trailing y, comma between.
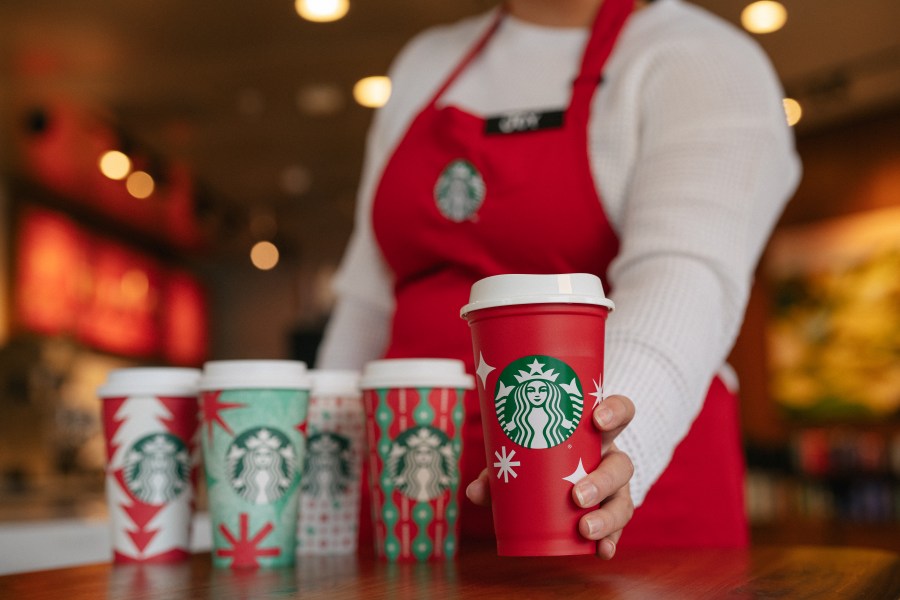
x: 694, y: 163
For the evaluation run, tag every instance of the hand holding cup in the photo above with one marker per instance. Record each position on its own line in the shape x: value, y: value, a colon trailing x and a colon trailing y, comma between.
x: 607, y: 486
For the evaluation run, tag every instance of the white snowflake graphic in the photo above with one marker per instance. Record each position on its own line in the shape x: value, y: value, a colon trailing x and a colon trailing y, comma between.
x: 505, y: 464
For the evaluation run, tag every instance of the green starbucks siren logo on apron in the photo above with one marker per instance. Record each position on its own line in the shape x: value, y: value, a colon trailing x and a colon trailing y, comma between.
x: 261, y: 465
x: 459, y: 190
x: 539, y: 401
x: 422, y: 464
x: 157, y: 468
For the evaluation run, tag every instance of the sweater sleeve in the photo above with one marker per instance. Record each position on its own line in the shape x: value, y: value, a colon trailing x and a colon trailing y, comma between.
x: 715, y: 166
x: 358, y: 327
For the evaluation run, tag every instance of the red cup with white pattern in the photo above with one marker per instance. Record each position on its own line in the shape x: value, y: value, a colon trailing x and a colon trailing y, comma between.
x: 538, y: 343
x: 150, y: 426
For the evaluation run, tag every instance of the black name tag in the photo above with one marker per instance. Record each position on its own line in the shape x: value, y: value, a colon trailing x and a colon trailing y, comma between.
x: 523, y: 121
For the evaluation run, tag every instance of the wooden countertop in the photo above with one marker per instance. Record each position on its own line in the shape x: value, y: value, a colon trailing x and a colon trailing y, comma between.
x: 766, y: 572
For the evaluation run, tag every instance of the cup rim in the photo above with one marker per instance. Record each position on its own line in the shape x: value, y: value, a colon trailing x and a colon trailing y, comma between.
x: 334, y: 382
x: 416, y: 373
x: 236, y: 374
x: 525, y: 288
x: 150, y: 381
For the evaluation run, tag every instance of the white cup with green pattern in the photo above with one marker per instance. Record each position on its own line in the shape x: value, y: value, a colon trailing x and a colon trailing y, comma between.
x: 414, y: 415
x: 253, y: 433
x: 332, y: 473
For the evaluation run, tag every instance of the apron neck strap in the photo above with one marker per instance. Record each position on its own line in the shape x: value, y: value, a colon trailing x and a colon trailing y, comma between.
x: 610, y: 19
x: 474, y: 51
x: 608, y: 23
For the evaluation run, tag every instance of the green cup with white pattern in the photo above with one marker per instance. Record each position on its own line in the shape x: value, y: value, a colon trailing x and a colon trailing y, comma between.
x: 253, y: 434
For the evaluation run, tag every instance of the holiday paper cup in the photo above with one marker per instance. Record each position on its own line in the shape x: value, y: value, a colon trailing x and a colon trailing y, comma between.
x: 150, y: 426
x: 414, y: 415
x: 253, y: 416
x: 330, y: 488
x: 538, y: 344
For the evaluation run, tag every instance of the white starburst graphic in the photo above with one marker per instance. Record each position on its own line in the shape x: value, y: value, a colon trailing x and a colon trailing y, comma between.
x: 576, y: 475
x: 505, y: 464
x: 598, y: 394
x: 483, y: 370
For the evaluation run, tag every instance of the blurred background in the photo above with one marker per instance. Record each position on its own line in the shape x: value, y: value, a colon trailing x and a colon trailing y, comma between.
x: 177, y: 184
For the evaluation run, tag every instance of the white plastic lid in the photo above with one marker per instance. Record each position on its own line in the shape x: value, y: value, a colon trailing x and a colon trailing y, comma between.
x: 416, y: 372
x: 150, y: 381
x: 563, y: 288
x: 335, y: 382
x: 254, y: 374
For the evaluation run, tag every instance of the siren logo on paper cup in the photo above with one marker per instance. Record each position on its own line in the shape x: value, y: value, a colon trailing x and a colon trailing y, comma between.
x: 327, y: 472
x: 538, y: 401
x: 261, y: 465
x: 422, y: 463
x: 157, y: 468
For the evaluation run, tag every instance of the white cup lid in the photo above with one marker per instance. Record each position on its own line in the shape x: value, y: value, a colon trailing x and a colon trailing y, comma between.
x: 254, y: 374
x: 513, y: 289
x: 150, y: 381
x: 335, y: 382
x: 416, y: 372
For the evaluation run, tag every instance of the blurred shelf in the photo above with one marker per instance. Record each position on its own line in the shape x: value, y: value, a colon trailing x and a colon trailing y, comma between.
x: 829, y: 532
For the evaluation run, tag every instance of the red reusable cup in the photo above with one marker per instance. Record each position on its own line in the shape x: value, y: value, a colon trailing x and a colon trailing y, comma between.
x: 538, y: 344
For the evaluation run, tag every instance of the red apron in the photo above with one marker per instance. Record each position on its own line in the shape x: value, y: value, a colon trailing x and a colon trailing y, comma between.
x: 464, y: 198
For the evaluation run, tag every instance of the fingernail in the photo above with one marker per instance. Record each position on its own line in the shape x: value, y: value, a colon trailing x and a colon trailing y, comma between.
x: 607, y: 549
x: 594, y: 526
x: 470, y: 490
x: 586, y: 493
x: 604, y: 416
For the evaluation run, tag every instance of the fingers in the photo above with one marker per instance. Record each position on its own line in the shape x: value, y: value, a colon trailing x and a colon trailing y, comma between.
x: 479, y: 491
x: 607, y: 486
x: 611, y: 416
x: 614, y: 473
x: 606, y: 523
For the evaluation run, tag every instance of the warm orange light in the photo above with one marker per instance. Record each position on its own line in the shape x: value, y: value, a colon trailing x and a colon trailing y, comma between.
x: 140, y: 184
x: 115, y: 165
x: 51, y: 263
x: 264, y: 256
x: 322, y: 11
x: 102, y: 293
x: 134, y: 286
x: 793, y: 111
x: 764, y: 16
x: 372, y: 92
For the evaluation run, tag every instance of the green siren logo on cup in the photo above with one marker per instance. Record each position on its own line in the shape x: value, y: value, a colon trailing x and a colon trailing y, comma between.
x: 422, y: 463
x: 327, y: 468
x: 261, y: 465
x: 539, y: 401
x: 459, y: 190
x: 157, y: 468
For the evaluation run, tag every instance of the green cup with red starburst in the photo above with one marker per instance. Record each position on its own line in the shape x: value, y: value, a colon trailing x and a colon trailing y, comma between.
x: 253, y: 416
